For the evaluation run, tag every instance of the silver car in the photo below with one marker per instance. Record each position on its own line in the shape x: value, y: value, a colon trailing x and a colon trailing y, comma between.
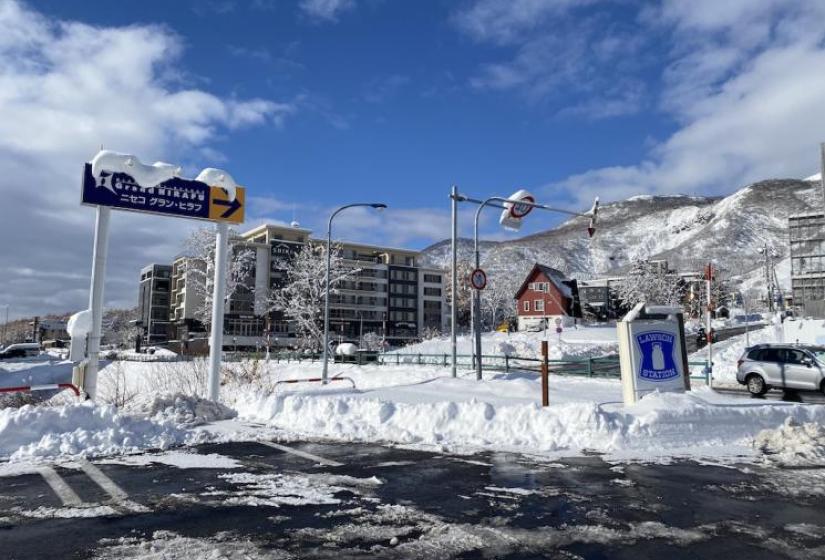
x: 782, y: 366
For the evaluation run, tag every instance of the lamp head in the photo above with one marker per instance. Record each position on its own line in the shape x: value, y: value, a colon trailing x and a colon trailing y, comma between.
x: 380, y: 206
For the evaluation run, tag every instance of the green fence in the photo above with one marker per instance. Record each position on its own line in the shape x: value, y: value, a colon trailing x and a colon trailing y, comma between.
x: 604, y: 366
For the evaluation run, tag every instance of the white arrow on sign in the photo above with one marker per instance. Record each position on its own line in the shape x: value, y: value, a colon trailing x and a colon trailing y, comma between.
x: 514, y: 212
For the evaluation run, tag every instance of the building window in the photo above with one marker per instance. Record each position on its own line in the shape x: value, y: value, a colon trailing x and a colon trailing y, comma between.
x: 538, y: 305
x: 432, y: 279
x: 527, y: 306
x: 432, y: 291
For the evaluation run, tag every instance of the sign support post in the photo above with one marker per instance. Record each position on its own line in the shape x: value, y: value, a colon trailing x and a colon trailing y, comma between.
x: 121, y: 181
x: 101, y: 249
x: 454, y: 278
x: 545, y: 382
x: 218, y: 303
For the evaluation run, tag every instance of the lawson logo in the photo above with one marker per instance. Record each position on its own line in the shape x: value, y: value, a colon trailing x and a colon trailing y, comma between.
x: 656, y: 350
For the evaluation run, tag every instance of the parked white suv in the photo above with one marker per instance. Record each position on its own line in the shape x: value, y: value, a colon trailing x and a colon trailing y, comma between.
x: 782, y: 366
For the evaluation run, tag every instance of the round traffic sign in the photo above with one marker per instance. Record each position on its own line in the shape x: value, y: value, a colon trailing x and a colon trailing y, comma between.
x: 558, y: 321
x: 478, y: 279
x: 518, y: 210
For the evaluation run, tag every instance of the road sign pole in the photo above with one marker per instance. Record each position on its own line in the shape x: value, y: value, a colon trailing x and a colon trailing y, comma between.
x: 218, y: 295
x: 101, y: 250
x: 454, y: 277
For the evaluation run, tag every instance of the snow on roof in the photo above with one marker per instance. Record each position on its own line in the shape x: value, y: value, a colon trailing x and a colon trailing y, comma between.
x: 555, y: 276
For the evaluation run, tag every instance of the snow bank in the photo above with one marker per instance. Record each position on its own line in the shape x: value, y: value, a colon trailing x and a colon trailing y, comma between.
x: 80, y: 429
x: 727, y: 352
x: 458, y: 415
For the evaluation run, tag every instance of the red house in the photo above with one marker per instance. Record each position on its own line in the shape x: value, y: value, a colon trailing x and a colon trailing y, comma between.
x: 546, y: 295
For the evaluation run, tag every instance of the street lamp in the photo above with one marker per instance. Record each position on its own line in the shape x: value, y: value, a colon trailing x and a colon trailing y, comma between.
x: 376, y: 205
x: 591, y: 229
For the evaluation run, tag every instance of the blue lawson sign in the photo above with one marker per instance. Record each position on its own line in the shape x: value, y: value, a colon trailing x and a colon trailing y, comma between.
x: 656, y: 350
x: 184, y: 198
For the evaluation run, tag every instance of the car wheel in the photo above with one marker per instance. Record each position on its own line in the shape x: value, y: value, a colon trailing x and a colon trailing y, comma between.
x: 756, y: 385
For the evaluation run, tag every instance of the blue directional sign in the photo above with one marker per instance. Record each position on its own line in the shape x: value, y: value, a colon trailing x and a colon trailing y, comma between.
x: 185, y: 198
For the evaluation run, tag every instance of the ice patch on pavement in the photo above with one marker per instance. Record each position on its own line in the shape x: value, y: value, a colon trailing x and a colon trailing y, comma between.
x: 277, y: 490
x: 793, y: 443
x: 179, y: 459
x: 166, y: 545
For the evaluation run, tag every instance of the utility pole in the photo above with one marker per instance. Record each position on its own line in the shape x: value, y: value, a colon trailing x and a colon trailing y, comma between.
x: 709, y: 280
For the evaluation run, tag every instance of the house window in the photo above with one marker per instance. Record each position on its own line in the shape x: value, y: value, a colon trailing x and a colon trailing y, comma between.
x: 527, y: 306
x: 538, y: 305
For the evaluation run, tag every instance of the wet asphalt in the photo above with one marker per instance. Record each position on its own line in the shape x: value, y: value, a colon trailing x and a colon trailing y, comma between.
x: 401, y: 503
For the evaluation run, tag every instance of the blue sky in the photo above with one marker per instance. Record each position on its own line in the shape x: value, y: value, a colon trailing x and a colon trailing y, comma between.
x: 386, y: 101
x: 316, y: 103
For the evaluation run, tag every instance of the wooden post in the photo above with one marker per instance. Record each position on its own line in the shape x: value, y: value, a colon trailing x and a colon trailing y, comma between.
x: 545, y: 391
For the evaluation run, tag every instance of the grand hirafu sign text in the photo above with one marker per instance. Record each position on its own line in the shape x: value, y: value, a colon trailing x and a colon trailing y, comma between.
x: 652, y: 355
x: 178, y: 197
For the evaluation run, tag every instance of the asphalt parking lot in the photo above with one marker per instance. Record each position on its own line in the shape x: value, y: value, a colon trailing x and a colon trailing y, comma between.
x: 322, y: 500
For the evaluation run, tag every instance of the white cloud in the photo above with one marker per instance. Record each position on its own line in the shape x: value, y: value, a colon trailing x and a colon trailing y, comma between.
x: 505, y: 21
x: 326, y: 10
x: 749, y: 101
x: 65, y: 89
x: 554, y: 51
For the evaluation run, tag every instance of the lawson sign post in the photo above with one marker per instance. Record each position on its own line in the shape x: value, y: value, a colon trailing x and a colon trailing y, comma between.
x: 652, y: 352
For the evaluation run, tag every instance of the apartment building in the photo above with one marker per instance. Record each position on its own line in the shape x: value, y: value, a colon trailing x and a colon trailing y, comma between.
x: 390, y: 295
x: 807, y: 239
x: 153, y: 303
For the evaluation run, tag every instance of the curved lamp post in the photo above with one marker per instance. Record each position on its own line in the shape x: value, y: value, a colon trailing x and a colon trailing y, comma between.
x: 378, y: 206
x: 477, y: 295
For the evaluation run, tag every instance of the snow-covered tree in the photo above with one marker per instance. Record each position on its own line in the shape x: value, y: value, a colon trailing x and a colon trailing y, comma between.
x: 119, y: 327
x: 301, y: 297
x: 464, y: 294
x: 200, y: 265
x: 649, y: 281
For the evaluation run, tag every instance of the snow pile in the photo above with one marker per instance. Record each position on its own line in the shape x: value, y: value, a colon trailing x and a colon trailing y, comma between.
x: 727, y: 352
x: 184, y: 410
x: 793, y: 443
x: 504, y: 414
x: 80, y: 429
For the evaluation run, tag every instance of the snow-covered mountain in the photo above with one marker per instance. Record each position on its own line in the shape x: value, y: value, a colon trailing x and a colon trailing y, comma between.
x: 684, y: 230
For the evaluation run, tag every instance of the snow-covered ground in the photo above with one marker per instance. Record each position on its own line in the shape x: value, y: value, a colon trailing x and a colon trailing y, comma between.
x: 581, y: 342
x: 409, y: 405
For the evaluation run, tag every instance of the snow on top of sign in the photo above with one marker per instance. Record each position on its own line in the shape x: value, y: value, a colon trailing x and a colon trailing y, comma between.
x: 145, y: 175
x: 80, y: 324
x: 218, y: 178
x: 507, y: 220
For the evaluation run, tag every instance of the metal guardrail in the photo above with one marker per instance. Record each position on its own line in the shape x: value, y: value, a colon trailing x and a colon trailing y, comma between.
x: 603, y: 366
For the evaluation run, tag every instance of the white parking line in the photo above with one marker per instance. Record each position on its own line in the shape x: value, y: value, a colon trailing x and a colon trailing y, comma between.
x: 115, y: 491
x: 304, y: 454
x: 63, y: 490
